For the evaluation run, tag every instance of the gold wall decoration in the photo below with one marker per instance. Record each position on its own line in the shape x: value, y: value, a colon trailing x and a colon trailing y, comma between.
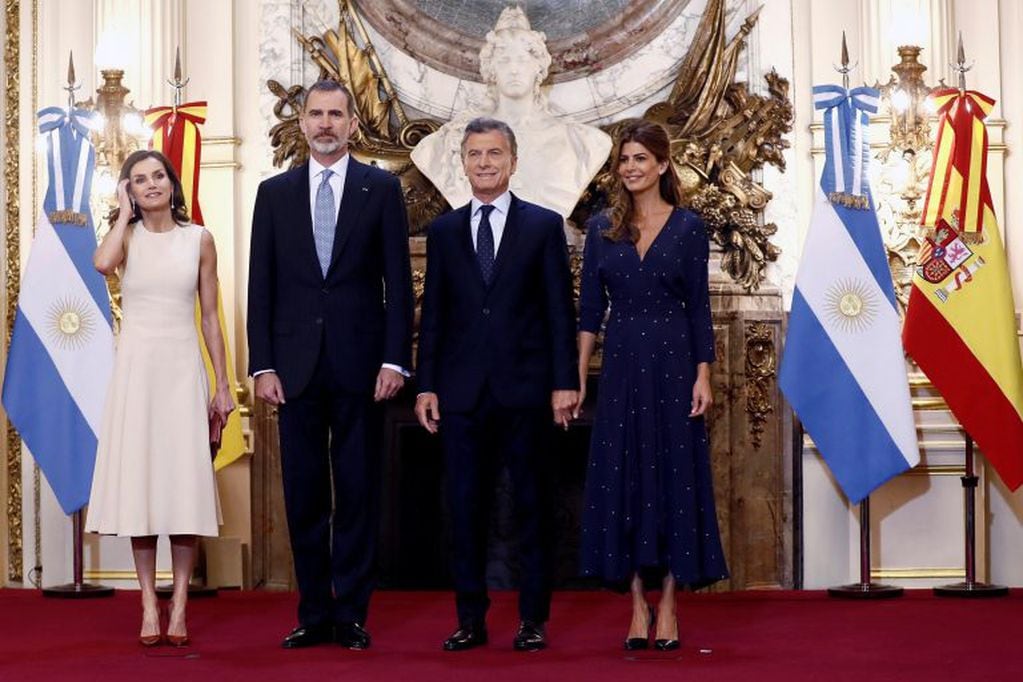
x: 760, y: 372
x: 12, y: 218
x: 904, y: 167
x: 385, y: 137
x: 721, y: 135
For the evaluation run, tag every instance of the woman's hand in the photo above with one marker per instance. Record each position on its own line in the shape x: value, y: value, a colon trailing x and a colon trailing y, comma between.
x: 702, y: 396
x: 582, y: 395
x: 124, y: 202
x: 222, y: 403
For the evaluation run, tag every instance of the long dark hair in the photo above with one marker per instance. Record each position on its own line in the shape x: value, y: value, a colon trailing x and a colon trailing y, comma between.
x: 655, y: 139
x: 178, y: 209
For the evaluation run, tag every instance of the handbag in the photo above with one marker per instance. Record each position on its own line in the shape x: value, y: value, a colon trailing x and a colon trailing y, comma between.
x: 217, y: 424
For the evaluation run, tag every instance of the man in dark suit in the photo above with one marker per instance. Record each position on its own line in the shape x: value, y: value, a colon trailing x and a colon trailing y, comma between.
x: 330, y: 328
x: 496, y: 356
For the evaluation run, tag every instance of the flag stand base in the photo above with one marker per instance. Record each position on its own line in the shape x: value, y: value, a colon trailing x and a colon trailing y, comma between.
x: 970, y: 588
x: 79, y: 589
x: 865, y: 589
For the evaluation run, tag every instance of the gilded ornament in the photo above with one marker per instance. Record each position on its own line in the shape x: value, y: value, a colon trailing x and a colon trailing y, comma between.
x: 760, y: 374
x: 385, y: 137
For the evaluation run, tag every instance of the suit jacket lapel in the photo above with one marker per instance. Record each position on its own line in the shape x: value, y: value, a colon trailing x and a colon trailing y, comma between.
x: 304, y: 223
x: 465, y: 243
x: 508, y: 237
x: 353, y: 198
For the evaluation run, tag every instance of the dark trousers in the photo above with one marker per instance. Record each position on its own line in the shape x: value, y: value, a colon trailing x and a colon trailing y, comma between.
x: 476, y: 444
x: 330, y: 452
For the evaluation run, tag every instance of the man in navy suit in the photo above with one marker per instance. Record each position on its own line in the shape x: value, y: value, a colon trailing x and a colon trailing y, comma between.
x: 496, y: 352
x: 330, y: 329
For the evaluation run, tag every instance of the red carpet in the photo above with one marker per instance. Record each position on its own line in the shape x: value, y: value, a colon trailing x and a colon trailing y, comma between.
x: 738, y: 636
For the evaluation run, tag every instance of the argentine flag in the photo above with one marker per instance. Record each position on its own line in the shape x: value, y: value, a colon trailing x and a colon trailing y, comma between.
x: 61, y: 353
x: 843, y: 369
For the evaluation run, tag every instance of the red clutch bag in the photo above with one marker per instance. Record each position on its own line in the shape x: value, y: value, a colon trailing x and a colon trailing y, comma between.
x: 217, y: 424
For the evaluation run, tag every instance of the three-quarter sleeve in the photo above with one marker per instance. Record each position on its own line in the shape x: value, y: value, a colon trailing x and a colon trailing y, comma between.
x: 697, y: 249
x: 592, y: 294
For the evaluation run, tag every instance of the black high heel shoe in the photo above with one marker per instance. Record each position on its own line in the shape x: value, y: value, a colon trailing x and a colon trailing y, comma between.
x: 640, y: 643
x: 668, y: 644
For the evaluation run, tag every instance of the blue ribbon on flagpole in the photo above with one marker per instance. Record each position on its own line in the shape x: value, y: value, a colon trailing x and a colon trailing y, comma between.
x: 71, y: 161
x: 846, y: 121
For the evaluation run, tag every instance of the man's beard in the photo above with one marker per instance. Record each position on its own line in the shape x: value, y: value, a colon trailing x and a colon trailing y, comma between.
x: 325, y: 145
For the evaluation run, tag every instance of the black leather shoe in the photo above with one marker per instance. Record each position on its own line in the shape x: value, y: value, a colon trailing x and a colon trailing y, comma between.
x: 640, y: 643
x: 351, y: 636
x: 467, y: 636
x: 308, y: 635
x: 530, y: 637
x: 668, y: 644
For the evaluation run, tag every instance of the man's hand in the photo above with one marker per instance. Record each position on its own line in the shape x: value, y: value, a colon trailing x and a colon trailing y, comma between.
x: 563, y: 404
x: 389, y: 382
x: 427, y: 411
x: 268, y: 388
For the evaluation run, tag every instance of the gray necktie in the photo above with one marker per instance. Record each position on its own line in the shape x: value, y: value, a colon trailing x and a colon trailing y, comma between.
x: 324, y: 221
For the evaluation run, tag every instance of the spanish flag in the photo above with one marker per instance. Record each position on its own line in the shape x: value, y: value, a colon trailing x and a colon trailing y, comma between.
x: 960, y: 325
x: 176, y: 135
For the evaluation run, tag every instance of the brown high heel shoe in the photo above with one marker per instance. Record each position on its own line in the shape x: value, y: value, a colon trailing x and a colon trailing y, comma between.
x: 178, y: 640
x: 152, y: 640
x: 175, y: 640
x: 149, y: 640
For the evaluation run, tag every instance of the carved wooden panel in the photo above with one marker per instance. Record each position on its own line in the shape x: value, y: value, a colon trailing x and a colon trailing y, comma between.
x: 271, y: 550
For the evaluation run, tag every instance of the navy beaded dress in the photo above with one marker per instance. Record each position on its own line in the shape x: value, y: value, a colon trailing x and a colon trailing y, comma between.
x: 649, y: 502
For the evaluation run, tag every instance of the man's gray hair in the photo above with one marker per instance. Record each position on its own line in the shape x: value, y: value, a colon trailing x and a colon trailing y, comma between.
x: 482, y: 124
x: 328, y: 85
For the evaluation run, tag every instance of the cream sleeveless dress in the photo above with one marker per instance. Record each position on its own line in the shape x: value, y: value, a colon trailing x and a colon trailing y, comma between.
x: 154, y: 474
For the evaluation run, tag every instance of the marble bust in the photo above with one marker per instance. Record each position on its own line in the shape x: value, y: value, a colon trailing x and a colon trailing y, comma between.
x: 557, y: 157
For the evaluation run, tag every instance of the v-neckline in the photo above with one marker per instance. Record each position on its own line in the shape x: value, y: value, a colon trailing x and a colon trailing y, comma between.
x: 635, y: 245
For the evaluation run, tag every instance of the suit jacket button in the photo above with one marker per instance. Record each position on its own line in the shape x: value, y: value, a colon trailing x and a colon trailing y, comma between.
x: 486, y: 311
x: 325, y: 290
x: 319, y: 320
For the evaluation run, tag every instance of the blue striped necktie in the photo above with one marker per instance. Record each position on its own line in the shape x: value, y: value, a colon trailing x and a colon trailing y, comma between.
x: 324, y: 221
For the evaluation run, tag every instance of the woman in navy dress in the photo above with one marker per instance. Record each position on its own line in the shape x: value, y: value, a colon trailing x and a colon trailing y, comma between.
x: 649, y: 503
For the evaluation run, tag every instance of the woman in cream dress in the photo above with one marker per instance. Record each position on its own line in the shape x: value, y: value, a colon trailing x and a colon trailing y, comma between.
x: 154, y: 472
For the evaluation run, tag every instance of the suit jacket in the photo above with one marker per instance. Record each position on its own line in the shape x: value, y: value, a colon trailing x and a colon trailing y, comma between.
x: 516, y: 335
x: 360, y: 314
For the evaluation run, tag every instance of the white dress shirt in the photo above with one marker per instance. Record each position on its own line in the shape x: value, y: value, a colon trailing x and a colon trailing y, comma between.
x: 498, y: 218
x: 337, y: 182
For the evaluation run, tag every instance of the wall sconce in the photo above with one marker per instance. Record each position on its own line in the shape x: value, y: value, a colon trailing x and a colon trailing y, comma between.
x: 122, y: 127
x: 901, y: 178
x: 909, y: 101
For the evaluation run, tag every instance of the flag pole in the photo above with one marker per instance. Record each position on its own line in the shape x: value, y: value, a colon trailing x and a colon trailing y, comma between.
x: 78, y: 588
x: 197, y: 586
x: 970, y: 587
x: 865, y: 589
